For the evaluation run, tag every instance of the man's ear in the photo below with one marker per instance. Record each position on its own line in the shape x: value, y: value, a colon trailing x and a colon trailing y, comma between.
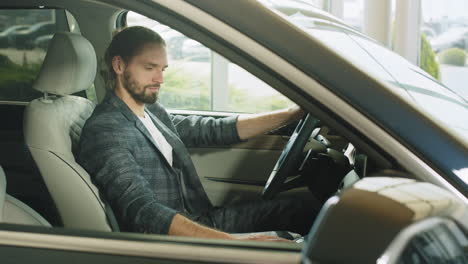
x: 118, y: 65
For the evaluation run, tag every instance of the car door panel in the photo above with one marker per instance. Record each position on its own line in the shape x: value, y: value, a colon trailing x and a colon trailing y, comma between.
x: 237, y: 172
x: 247, y: 161
x: 46, y: 245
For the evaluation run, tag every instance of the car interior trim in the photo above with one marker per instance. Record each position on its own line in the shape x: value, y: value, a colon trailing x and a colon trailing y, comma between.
x: 237, y: 181
x: 151, y: 249
x: 13, y: 103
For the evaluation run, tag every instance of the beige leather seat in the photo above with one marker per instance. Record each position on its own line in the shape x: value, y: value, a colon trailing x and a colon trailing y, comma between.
x: 52, y: 127
x: 14, y: 211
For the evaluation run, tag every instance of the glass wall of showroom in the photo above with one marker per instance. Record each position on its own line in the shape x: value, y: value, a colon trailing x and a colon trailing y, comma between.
x: 432, y: 34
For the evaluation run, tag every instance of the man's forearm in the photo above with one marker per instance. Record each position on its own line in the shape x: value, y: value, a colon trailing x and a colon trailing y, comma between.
x: 182, y: 226
x: 253, y: 125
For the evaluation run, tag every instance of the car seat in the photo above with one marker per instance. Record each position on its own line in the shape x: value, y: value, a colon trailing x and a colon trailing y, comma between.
x: 14, y: 211
x: 52, y: 128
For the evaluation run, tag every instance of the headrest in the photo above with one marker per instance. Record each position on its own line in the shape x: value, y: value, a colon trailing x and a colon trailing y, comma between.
x: 2, y: 191
x: 69, y: 65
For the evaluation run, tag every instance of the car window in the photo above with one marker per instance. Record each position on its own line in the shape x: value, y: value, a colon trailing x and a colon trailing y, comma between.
x: 24, y: 38
x: 199, y: 79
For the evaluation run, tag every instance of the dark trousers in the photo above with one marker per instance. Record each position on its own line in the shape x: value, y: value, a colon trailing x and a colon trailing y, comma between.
x: 272, y: 215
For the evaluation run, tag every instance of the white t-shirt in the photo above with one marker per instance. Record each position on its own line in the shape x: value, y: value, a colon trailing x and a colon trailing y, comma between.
x: 160, y: 140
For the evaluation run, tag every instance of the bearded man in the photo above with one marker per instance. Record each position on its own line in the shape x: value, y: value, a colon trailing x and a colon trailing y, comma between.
x: 136, y: 153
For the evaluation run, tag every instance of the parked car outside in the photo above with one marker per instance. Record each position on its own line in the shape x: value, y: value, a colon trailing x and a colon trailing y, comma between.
x: 456, y: 37
x: 428, y: 32
x: 42, y: 42
x: 24, y: 39
x: 6, y: 34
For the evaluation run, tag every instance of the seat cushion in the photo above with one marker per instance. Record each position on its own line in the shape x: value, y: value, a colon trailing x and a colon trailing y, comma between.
x: 16, y: 212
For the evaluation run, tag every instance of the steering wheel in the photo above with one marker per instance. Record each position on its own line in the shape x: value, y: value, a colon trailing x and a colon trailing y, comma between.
x: 289, y: 159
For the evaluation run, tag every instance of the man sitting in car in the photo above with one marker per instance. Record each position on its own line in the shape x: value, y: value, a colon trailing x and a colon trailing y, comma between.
x: 136, y: 153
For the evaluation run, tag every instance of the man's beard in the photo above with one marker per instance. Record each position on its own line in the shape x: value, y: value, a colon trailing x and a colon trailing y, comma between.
x: 137, y: 92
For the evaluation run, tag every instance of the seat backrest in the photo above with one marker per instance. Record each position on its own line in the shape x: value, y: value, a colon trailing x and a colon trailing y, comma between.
x: 14, y: 211
x: 52, y: 128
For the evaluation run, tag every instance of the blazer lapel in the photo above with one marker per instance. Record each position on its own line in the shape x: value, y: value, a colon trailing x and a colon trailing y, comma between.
x: 128, y: 113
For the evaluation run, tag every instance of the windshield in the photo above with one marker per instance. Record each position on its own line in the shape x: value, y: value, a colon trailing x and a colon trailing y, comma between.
x: 406, y: 79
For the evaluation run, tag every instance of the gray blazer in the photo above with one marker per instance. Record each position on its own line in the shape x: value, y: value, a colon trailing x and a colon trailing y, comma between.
x: 125, y: 163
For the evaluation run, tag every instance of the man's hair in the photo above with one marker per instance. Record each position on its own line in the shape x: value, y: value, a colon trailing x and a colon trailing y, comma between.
x: 127, y: 43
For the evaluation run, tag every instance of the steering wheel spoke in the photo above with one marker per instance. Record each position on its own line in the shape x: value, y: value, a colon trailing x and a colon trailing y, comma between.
x: 290, y: 159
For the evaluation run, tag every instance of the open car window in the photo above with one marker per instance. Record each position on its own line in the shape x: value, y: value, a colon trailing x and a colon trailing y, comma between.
x: 200, y: 79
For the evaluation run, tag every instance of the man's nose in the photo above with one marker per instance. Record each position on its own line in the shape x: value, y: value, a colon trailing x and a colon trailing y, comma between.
x: 158, y: 77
